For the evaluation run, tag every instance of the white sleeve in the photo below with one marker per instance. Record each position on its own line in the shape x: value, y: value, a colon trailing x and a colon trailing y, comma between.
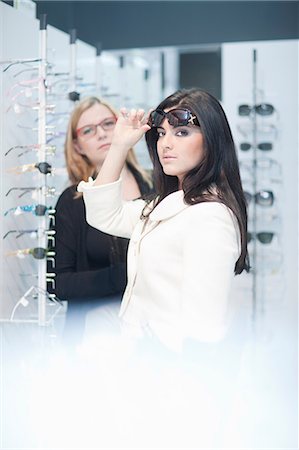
x: 106, y: 211
x: 210, y: 250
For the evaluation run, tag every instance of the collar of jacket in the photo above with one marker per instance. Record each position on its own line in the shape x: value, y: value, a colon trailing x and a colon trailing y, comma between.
x: 169, y: 206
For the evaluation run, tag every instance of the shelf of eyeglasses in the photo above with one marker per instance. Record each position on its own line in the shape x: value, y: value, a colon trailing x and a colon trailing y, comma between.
x: 262, y: 109
x: 35, y: 252
x: 42, y: 167
x: 270, y: 220
x: 266, y: 263
x: 33, y: 234
x: 262, y: 131
x: 263, y: 237
x: 263, y: 197
x: 47, y: 191
x: 36, y: 209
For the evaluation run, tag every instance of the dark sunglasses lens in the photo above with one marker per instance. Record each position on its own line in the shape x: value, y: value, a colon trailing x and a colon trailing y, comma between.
x: 264, y: 198
x: 40, y: 210
x: 244, y: 110
x: 156, y: 118
x: 178, y: 117
x: 245, y: 146
x: 265, y: 146
x: 265, y: 237
x: 264, y: 109
x: 39, y: 253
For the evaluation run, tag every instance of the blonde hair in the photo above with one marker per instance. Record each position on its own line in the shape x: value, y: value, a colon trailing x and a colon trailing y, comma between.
x: 78, y: 166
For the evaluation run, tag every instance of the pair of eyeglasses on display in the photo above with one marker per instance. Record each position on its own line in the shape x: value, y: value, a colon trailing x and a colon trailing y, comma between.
x: 263, y: 109
x: 263, y: 131
x: 56, y: 135
x: 49, y: 149
x: 20, y: 108
x: 28, y: 83
x: 43, y: 167
x: 50, y: 129
x: 262, y: 198
x: 37, y: 210
x: 262, y: 164
x: 263, y: 146
x: 12, y: 62
x: 176, y: 117
x: 89, y: 131
x: 43, y: 190
x: 34, y: 234
x: 267, y: 263
x: 264, y: 237
x: 36, y: 252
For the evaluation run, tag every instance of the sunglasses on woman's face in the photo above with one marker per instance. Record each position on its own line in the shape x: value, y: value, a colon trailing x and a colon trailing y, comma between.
x: 89, y: 131
x: 263, y: 109
x: 176, y: 117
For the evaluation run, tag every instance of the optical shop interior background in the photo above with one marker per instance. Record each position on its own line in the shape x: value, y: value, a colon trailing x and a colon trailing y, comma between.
x: 134, y: 54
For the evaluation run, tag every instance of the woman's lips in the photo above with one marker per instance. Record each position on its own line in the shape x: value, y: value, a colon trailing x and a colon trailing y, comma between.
x: 104, y: 146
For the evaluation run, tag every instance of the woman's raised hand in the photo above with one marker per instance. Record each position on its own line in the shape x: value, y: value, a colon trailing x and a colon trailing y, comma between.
x: 130, y: 127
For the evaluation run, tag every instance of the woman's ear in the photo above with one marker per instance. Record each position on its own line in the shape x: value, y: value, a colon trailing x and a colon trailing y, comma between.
x: 78, y: 148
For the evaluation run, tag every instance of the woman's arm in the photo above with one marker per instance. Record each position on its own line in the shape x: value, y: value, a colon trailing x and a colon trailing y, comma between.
x: 105, y: 209
x: 129, y: 129
x: 210, y: 250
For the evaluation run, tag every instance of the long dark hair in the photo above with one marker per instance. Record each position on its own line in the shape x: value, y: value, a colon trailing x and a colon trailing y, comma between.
x: 219, y: 168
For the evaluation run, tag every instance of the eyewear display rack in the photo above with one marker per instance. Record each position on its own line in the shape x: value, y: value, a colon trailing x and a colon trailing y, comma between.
x: 262, y: 199
x: 47, y: 305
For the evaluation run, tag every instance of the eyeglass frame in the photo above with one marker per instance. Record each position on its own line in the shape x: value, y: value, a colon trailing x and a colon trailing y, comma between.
x: 94, y: 127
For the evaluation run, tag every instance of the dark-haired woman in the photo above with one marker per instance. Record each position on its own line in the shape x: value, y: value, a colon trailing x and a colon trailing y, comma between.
x: 190, y: 240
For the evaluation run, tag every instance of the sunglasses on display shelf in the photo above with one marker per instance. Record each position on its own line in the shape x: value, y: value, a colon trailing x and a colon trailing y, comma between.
x: 177, y: 117
x: 267, y: 263
x: 266, y: 219
x: 264, y: 237
x: 20, y: 108
x: 265, y: 130
x: 43, y: 167
x: 49, y: 128
x: 43, y: 190
x: 267, y: 169
x: 36, y: 252
x: 37, y: 210
x: 264, y: 146
x: 56, y: 135
x: 27, y: 93
x: 262, y: 198
x: 29, y: 83
x: 34, y: 234
x: 263, y: 109
x: 13, y: 62
x: 89, y: 131
x: 48, y: 148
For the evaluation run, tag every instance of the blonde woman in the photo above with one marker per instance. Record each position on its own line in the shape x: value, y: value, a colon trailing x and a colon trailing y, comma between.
x: 90, y: 265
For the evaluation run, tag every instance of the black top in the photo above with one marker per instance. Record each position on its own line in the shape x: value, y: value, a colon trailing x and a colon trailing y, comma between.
x: 89, y: 264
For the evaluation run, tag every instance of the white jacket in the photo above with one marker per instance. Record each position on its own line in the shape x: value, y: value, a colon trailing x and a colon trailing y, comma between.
x: 180, y: 262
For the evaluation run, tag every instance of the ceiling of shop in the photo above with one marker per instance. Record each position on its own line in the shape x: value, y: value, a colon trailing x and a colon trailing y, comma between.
x: 130, y: 24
